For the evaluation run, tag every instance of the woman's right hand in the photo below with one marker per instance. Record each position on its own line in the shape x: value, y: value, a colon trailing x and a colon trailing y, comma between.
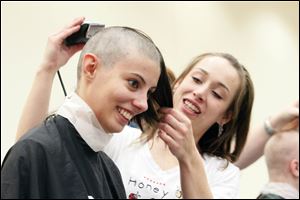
x: 57, y: 53
x: 176, y: 130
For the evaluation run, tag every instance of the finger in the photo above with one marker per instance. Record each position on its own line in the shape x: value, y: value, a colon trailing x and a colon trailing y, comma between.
x: 167, y: 139
x: 169, y: 119
x: 70, y: 27
x: 75, y: 22
x: 75, y: 48
x: 290, y: 126
x: 175, y: 135
x: 79, y: 46
x: 61, y: 36
x: 178, y: 115
x: 293, y: 112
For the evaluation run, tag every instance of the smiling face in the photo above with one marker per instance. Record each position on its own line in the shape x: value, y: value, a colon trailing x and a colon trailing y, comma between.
x: 118, y: 93
x: 206, y: 92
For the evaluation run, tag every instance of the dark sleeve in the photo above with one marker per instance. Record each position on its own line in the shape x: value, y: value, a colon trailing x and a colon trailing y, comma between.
x: 23, y: 171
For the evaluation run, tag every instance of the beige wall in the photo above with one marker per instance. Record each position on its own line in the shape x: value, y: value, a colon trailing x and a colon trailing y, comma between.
x: 263, y: 36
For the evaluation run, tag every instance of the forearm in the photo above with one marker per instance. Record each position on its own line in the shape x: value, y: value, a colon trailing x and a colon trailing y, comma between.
x: 254, y: 147
x: 36, y: 107
x: 193, y: 178
x: 56, y: 55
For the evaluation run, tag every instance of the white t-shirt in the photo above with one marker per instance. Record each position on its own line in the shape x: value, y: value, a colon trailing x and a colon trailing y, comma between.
x: 144, y: 178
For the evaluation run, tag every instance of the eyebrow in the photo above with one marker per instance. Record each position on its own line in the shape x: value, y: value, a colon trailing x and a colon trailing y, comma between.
x: 219, y: 83
x: 140, y: 77
x: 152, y: 89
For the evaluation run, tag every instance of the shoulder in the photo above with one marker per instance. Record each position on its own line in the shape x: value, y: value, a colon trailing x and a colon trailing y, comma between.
x: 221, y: 171
x: 23, y: 153
x: 269, y: 196
x: 44, y: 136
x: 219, y: 164
x: 223, y: 177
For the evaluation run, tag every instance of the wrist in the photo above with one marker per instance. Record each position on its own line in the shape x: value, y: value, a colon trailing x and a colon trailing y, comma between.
x: 269, y: 128
x: 45, y: 74
x: 47, y: 68
x: 192, y: 159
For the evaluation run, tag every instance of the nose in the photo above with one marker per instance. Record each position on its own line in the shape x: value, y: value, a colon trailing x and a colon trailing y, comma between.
x: 140, y: 103
x: 201, y: 93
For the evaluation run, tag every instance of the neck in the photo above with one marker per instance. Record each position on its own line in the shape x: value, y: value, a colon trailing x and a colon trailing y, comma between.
x: 159, y: 143
x: 279, y: 178
x: 284, y: 190
x: 161, y: 153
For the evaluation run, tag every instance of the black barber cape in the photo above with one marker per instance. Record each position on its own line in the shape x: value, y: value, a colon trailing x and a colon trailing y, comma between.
x: 53, y: 161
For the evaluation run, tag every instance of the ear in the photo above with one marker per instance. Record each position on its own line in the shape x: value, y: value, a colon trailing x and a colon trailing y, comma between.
x: 225, y: 118
x: 294, y: 168
x: 90, y: 63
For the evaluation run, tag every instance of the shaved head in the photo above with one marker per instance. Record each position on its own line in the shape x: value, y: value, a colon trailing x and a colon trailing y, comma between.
x: 125, y: 52
x: 115, y: 43
x: 280, y: 150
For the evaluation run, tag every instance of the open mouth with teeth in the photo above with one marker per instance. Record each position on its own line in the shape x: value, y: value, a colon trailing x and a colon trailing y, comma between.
x: 125, y: 114
x: 191, y: 106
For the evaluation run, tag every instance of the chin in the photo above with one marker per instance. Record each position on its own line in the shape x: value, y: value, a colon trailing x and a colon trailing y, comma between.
x: 115, y: 129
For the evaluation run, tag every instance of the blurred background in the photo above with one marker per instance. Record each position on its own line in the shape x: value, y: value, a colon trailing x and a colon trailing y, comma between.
x: 264, y: 36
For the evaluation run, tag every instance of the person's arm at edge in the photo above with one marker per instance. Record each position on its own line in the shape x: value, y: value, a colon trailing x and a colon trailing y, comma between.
x: 37, y: 103
x: 56, y: 55
x: 285, y: 120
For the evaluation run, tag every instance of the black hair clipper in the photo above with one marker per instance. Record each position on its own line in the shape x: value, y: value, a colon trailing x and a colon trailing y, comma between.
x: 86, y: 31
